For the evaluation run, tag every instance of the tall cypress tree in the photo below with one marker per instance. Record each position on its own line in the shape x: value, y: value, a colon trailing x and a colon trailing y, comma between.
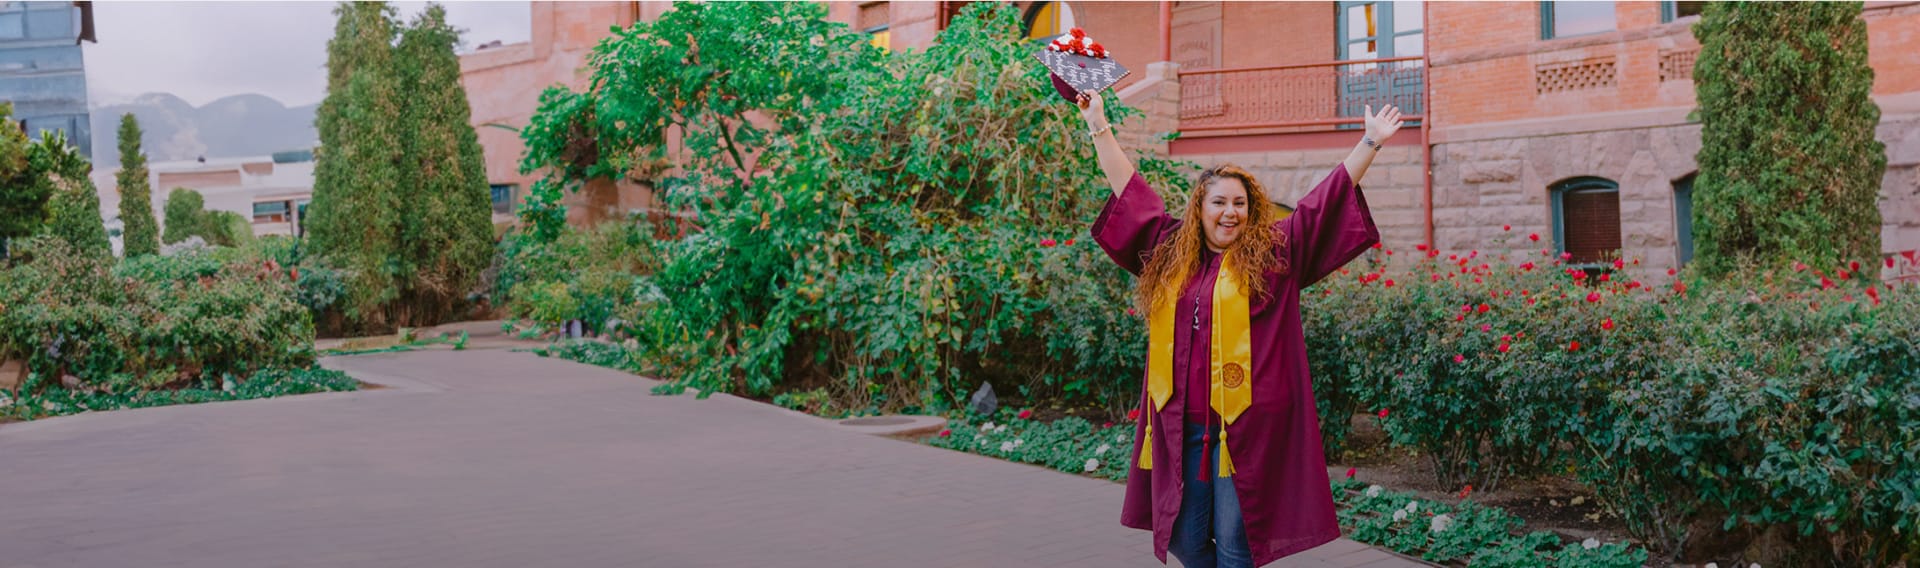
x: 447, y: 228
x: 355, y: 216
x: 1789, y: 168
x: 139, y: 233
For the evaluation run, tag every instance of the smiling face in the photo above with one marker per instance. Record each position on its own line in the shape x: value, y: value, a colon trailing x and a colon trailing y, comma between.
x: 1223, y: 212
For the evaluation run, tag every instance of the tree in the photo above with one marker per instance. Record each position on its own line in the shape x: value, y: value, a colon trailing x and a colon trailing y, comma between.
x: 446, y: 221
x: 356, y: 213
x: 74, y: 209
x: 1789, y: 168
x: 139, y: 233
x: 23, y: 199
x: 184, y: 217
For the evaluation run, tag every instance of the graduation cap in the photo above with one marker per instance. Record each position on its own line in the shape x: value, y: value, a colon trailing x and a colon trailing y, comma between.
x: 1078, y: 64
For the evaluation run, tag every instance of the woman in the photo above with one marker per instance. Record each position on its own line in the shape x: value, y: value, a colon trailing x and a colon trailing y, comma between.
x: 1228, y: 469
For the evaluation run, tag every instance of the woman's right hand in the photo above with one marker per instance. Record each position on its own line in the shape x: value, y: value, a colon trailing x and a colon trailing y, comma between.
x: 1094, y: 110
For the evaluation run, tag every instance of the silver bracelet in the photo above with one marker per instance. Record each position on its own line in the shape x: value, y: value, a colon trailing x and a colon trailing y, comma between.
x: 1101, y: 130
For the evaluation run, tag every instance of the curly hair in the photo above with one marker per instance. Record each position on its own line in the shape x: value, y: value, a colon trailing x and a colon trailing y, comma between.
x: 1177, y: 258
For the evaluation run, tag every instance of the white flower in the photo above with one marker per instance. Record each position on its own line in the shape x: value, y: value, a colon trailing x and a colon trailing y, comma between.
x: 1591, y: 544
x: 1018, y: 442
x: 988, y: 427
x: 1006, y: 446
x: 1413, y: 506
x: 1399, y: 516
x: 1121, y: 439
x: 1441, y: 522
x: 1102, y: 450
x: 1709, y: 564
x: 1092, y: 464
x: 999, y: 429
x: 1373, y: 491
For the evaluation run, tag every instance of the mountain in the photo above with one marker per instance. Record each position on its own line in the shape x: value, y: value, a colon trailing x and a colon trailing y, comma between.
x: 232, y: 127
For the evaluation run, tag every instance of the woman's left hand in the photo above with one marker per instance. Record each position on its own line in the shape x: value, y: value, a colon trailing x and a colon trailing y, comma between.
x: 1382, y: 126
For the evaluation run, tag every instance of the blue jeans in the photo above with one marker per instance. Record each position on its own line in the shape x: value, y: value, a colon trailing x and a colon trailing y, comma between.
x: 1208, y: 532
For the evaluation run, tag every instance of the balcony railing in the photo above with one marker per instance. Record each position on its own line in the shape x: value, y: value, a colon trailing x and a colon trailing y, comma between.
x: 1314, y: 96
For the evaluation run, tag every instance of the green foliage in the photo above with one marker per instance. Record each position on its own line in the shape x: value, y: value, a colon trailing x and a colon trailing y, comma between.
x: 1768, y: 400
x: 447, y: 223
x: 1067, y: 444
x: 149, y: 327
x: 186, y: 217
x: 1789, y: 167
x: 592, y: 274
x: 356, y: 216
x: 1479, y: 535
x: 74, y: 210
x: 23, y: 198
x: 401, y: 204
x: 891, y: 242
x: 140, y: 233
x: 263, y: 384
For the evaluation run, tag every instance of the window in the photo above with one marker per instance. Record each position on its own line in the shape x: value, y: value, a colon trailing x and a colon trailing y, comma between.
x: 875, y: 18
x: 1047, y: 19
x: 1379, y: 30
x: 1586, y: 219
x: 1567, y: 19
x: 13, y: 21
x: 502, y: 198
x: 1671, y: 10
x: 1367, y: 29
x: 270, y: 212
x: 1683, y: 217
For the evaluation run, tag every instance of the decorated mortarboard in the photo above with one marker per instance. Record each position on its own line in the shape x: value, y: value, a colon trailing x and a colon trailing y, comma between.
x: 1078, y: 64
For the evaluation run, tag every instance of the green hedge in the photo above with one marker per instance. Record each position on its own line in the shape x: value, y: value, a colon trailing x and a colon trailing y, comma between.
x: 154, y: 323
x: 1785, y: 402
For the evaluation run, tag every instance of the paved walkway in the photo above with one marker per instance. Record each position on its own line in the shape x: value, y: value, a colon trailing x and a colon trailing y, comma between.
x: 494, y: 458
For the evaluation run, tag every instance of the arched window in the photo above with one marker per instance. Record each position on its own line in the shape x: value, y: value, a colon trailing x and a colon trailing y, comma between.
x: 1683, y: 217
x: 1586, y: 219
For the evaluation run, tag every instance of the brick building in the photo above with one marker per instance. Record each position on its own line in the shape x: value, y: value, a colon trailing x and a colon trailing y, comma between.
x: 1567, y: 119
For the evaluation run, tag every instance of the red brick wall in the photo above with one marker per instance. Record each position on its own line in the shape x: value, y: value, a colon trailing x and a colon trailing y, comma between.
x: 1893, y: 46
x: 1487, y: 57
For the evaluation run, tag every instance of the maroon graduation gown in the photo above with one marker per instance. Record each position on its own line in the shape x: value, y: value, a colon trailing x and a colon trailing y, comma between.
x: 1281, y: 474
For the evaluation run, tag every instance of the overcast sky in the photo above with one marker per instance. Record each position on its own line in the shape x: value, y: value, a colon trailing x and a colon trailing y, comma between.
x: 202, y: 51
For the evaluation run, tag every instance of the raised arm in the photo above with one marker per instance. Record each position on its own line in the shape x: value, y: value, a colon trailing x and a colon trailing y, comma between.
x: 1113, y: 160
x: 1380, y: 127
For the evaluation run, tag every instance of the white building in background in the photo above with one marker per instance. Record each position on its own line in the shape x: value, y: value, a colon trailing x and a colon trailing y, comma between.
x: 273, y: 191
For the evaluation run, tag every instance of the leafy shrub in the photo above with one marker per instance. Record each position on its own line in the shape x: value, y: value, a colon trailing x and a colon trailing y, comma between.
x: 156, y: 326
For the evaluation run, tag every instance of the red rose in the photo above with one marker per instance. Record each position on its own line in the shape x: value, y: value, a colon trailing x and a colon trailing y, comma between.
x: 1350, y: 472
x: 1068, y: 243
x: 945, y: 433
x: 1046, y: 242
x: 1486, y: 327
x: 1535, y: 237
x: 1459, y: 358
x: 1605, y: 277
x: 1421, y: 246
x: 1506, y: 227
x: 1619, y: 264
x: 1671, y: 272
x: 1593, y: 297
x: 1503, y: 348
x: 1680, y: 287
x: 1575, y: 346
x: 1389, y: 282
x: 1383, y: 413
x: 1485, y: 308
x: 1855, y: 265
x: 1376, y: 246
x: 1607, y: 324
x: 1467, y: 491
x: 1566, y: 256
x: 1107, y: 425
x: 1799, y: 266
x: 1133, y: 312
x: 1874, y: 293
x: 1826, y: 284
x: 1133, y: 414
x: 1527, y: 266
x: 1025, y: 414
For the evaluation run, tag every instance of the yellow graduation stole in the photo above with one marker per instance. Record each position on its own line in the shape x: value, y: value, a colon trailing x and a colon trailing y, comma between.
x: 1231, y: 355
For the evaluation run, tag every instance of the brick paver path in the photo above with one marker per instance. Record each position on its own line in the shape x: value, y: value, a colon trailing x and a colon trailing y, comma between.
x: 494, y: 458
